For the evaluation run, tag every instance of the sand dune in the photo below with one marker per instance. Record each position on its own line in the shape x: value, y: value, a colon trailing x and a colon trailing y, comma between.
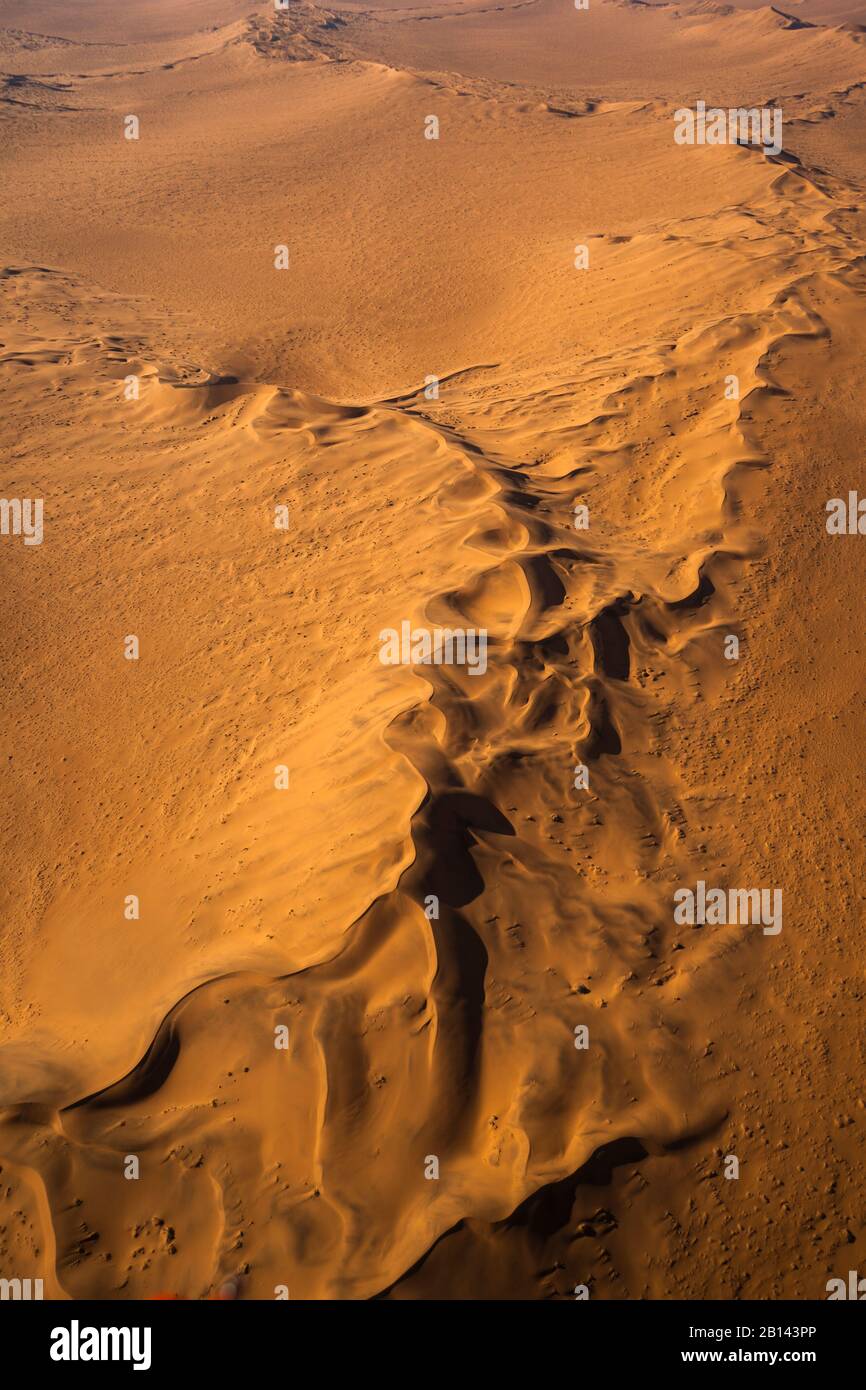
x: 431, y: 908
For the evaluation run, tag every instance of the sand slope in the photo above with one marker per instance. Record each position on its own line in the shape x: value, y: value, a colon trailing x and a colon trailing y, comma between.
x: 414, y: 1037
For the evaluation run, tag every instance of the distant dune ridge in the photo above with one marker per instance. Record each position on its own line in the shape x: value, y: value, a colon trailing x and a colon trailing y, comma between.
x: 329, y: 976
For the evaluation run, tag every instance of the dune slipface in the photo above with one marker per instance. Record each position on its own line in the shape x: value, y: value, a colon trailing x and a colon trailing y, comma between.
x: 433, y: 661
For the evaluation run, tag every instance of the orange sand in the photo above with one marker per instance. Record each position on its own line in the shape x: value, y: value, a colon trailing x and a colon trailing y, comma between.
x: 412, y: 1036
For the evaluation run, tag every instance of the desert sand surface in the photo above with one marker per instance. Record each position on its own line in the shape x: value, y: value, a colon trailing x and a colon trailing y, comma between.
x: 430, y: 914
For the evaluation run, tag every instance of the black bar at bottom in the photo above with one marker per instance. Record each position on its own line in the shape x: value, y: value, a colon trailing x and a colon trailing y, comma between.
x: 252, y: 1339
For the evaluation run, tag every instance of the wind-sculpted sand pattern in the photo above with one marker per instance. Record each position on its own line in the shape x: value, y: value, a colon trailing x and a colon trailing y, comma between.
x: 419, y: 1019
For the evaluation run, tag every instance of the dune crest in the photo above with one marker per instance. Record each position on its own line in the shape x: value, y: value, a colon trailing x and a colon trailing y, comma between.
x: 403, y: 1007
